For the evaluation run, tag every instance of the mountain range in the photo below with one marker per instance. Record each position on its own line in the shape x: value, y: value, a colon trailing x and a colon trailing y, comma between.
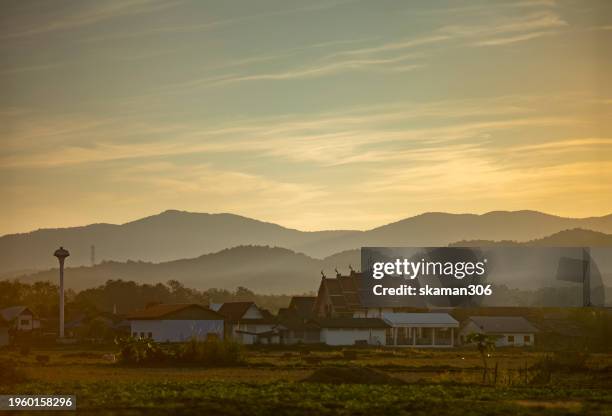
x: 173, y: 235
x: 270, y: 270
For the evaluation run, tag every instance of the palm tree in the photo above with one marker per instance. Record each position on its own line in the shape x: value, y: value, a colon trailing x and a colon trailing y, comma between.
x: 485, y: 344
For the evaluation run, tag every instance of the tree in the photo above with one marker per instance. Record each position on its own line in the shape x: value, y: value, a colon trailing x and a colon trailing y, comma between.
x: 485, y: 345
x: 244, y: 293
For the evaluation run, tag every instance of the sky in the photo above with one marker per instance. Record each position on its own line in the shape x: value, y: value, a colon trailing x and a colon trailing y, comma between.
x: 340, y: 114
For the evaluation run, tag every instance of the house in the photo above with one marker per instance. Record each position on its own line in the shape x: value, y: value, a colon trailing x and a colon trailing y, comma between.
x: 176, y: 322
x: 247, y: 323
x: 292, y: 331
x: 20, y: 318
x: 508, y: 330
x: 295, y: 324
x: 303, y: 306
x: 420, y: 329
x: 96, y: 327
x: 341, y: 297
x: 4, y: 332
x: 352, y: 331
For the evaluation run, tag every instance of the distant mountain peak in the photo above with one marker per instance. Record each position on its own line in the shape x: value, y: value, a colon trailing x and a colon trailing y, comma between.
x: 175, y: 234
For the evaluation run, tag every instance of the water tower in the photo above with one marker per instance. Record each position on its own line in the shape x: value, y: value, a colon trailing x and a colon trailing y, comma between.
x: 61, y: 254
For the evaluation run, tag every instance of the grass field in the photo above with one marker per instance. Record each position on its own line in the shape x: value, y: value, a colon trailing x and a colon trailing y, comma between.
x: 271, y: 382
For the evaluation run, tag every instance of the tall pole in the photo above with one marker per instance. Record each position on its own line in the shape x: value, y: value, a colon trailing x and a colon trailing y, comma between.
x: 61, y: 255
x: 61, y: 305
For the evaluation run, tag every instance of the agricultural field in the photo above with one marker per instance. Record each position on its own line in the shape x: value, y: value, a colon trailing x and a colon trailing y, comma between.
x: 323, y: 381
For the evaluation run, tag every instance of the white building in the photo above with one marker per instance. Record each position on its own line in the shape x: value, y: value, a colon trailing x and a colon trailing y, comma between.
x: 20, y: 318
x: 352, y: 331
x: 176, y: 323
x: 248, y: 324
x: 508, y: 330
x: 420, y: 329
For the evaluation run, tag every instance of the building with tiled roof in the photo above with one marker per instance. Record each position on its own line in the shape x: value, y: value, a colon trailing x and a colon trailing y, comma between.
x: 303, y: 306
x: 176, y: 322
x: 507, y: 330
x: 21, y: 318
x: 235, y: 311
x: 341, y: 297
x: 246, y: 322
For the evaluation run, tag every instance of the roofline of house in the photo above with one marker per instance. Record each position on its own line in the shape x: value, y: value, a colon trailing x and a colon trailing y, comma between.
x: 131, y: 317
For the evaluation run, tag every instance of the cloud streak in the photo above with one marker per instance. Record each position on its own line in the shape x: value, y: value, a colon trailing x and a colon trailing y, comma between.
x: 89, y: 15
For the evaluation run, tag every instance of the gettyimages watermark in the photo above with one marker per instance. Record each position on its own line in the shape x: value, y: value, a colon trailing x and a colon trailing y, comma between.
x: 484, y: 276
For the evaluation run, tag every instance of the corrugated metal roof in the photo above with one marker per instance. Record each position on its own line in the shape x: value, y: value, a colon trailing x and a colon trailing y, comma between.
x: 415, y: 319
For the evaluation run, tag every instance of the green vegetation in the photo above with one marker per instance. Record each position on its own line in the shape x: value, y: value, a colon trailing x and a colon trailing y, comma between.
x: 322, y: 381
x: 213, y: 352
x: 124, y: 295
x: 280, y: 398
x: 485, y: 345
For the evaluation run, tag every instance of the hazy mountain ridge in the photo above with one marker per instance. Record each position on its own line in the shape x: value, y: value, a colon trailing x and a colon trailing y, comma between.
x: 262, y: 269
x: 576, y: 237
x: 177, y: 235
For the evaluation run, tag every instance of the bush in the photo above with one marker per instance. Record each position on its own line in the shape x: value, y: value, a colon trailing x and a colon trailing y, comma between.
x: 211, y: 352
x: 564, y: 361
x: 141, y: 351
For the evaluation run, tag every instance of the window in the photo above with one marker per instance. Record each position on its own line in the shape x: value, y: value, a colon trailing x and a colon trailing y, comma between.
x: 511, y: 339
x: 25, y: 322
x: 527, y: 339
x: 135, y: 334
x: 150, y: 334
x: 142, y: 335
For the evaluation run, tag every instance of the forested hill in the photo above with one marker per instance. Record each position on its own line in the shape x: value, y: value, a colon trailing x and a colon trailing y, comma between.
x: 174, y: 235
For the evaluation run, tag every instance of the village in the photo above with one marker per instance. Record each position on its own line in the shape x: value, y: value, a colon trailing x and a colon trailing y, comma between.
x: 334, y: 317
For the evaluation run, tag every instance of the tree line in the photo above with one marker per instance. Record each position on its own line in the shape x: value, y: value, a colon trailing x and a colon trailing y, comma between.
x: 123, y: 296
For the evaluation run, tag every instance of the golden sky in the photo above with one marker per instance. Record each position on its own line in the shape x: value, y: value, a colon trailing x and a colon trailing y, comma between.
x: 314, y: 115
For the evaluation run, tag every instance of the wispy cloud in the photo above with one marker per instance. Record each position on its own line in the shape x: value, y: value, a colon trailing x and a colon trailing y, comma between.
x: 214, y: 24
x: 389, y: 56
x: 512, y: 39
x: 90, y: 14
x: 392, y: 64
x: 497, y: 32
x: 360, y: 136
x: 397, y: 45
x: 32, y: 68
